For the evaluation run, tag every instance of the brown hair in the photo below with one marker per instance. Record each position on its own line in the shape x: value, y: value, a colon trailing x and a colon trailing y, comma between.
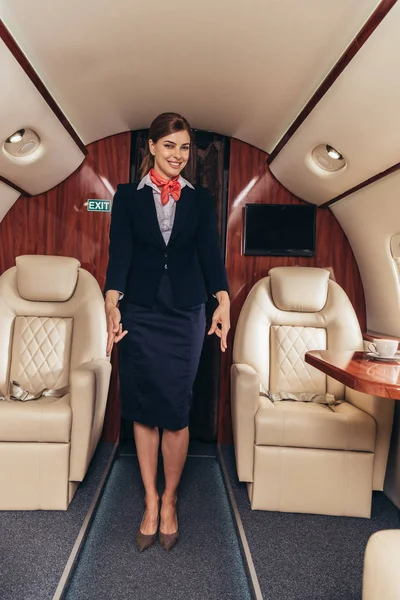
x: 162, y: 126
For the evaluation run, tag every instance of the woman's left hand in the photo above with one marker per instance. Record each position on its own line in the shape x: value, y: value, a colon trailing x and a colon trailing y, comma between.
x: 221, y: 323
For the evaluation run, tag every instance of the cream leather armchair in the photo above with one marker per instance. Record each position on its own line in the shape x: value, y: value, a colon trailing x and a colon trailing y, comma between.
x: 381, y: 578
x: 52, y: 335
x: 303, y: 456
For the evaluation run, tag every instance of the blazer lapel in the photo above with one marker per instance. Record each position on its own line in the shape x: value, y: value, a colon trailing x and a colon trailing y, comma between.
x: 183, y: 208
x: 149, y: 213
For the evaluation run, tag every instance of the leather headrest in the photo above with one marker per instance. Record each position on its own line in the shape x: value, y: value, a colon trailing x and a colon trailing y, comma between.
x: 300, y: 289
x: 46, y: 278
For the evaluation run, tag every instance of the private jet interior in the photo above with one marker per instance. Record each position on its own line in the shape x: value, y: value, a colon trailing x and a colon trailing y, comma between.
x: 291, y: 488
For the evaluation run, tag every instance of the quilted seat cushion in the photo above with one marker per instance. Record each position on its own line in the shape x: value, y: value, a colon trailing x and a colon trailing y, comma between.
x: 41, y: 352
x: 43, y: 420
x: 288, y: 370
x: 310, y: 425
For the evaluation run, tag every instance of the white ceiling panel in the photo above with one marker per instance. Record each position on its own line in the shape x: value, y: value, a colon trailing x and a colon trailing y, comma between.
x: 369, y: 218
x: 21, y: 106
x: 359, y: 116
x: 243, y: 69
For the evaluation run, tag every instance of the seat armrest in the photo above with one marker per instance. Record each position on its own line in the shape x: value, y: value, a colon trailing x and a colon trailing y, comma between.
x: 89, y: 390
x: 381, y: 410
x: 245, y: 395
x: 381, y: 577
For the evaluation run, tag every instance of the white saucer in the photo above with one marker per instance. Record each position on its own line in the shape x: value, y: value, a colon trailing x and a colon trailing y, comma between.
x: 394, y: 358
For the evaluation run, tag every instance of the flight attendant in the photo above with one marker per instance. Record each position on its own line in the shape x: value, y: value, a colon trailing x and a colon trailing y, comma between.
x: 164, y: 261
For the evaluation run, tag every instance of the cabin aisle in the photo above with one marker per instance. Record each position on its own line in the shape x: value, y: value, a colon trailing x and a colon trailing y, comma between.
x: 205, y: 564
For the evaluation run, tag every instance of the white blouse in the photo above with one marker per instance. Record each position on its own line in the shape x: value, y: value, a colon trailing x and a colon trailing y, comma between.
x: 165, y: 214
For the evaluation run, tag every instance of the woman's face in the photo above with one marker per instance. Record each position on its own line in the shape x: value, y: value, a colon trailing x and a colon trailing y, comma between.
x: 171, y: 153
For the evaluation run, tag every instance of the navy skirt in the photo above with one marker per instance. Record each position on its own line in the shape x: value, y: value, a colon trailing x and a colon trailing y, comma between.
x: 158, y: 360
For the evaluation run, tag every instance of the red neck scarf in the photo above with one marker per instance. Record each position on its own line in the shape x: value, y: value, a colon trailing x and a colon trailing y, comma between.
x: 167, y: 186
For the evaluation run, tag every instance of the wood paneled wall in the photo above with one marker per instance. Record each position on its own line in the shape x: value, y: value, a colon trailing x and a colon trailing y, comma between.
x: 58, y: 223
x: 250, y: 181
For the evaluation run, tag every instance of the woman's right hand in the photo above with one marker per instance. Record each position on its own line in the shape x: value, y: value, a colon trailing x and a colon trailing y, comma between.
x: 114, y: 328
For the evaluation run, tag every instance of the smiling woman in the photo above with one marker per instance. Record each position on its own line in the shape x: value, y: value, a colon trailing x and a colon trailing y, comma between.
x: 164, y: 261
x: 170, y: 137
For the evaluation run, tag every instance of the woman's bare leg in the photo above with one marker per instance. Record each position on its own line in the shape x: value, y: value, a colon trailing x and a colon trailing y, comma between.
x: 147, y: 441
x: 174, y: 450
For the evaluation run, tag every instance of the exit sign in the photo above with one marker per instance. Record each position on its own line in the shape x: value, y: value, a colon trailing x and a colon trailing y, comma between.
x: 99, y: 205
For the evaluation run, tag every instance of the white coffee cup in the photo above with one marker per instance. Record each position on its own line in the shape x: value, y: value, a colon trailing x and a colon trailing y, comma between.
x: 383, y: 348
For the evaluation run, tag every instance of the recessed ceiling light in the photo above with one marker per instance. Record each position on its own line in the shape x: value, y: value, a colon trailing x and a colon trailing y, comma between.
x: 327, y: 158
x: 15, y: 137
x: 22, y: 143
x: 333, y: 153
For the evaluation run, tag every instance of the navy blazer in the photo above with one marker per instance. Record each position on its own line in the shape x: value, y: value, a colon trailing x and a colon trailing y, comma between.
x: 138, y: 254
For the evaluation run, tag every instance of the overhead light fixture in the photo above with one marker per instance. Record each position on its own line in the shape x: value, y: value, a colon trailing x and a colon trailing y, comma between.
x: 22, y: 143
x: 16, y: 137
x: 333, y: 153
x: 327, y: 158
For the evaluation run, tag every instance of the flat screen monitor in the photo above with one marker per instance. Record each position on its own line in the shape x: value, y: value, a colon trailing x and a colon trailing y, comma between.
x: 279, y: 229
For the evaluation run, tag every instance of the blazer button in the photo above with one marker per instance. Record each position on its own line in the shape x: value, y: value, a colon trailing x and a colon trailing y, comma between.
x: 165, y: 255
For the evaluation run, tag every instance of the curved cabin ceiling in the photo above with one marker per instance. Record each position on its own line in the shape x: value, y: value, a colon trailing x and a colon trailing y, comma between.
x: 359, y: 115
x: 243, y: 69
x: 22, y: 106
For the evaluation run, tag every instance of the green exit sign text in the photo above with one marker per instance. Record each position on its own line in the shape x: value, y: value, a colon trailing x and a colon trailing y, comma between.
x: 99, y: 205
